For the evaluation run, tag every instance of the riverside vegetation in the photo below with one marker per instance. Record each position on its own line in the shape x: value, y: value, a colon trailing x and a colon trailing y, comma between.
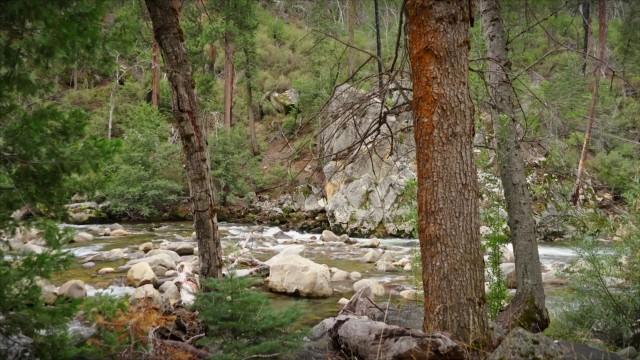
x: 294, y: 124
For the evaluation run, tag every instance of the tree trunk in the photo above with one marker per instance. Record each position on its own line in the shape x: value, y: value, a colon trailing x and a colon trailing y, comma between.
x: 112, y: 98
x: 448, y: 215
x: 228, y: 80
x: 155, y: 75
x: 602, y: 45
x: 378, y: 44
x: 527, y: 309
x: 251, y: 111
x: 351, y: 24
x: 168, y: 34
x: 586, y: 28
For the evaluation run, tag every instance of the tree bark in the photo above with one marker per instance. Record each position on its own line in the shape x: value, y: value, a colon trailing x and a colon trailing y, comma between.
x: 228, y: 80
x: 602, y: 46
x: 168, y: 34
x: 527, y: 309
x: 155, y: 75
x: 586, y: 28
x: 448, y: 215
x: 378, y: 44
x: 251, y: 111
x: 351, y: 24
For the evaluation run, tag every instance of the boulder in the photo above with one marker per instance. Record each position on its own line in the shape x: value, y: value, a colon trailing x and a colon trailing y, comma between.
x: 293, y: 274
x: 355, y: 276
x: 111, y: 255
x: 339, y: 275
x: 174, y: 255
x: 140, y: 274
x: 372, y: 256
x: 628, y: 353
x: 376, y: 288
x: 509, y: 272
x: 370, y: 243
x: 119, y: 232
x: 343, y: 301
x: 520, y: 345
x: 106, y: 270
x: 146, y: 247
x: 79, y: 332
x: 82, y: 237
x: 385, y: 263
x: 328, y: 235
x: 347, y: 240
x: 409, y: 294
x: 88, y: 265
x: 48, y: 291
x: 507, y: 254
x: 181, y: 248
x: 160, y: 262
x: 146, y: 292
x: 74, y: 289
x: 170, y: 293
x: 30, y: 247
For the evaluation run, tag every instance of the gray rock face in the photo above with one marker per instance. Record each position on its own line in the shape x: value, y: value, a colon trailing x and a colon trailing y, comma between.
x: 364, y: 184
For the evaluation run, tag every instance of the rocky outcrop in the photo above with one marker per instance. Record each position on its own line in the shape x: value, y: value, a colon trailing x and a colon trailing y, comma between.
x: 366, y: 168
x: 140, y: 274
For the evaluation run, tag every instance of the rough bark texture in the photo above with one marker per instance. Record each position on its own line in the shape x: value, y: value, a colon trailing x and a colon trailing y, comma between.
x: 586, y: 28
x: 602, y: 45
x: 351, y: 24
x: 251, y: 111
x: 448, y: 215
x: 155, y: 75
x: 228, y: 80
x: 527, y: 309
x: 378, y: 44
x: 167, y: 32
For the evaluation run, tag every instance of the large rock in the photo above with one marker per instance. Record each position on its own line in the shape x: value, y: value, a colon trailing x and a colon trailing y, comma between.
x: 365, y: 185
x: 140, y: 274
x: 174, y: 255
x: 523, y: 345
x: 170, y: 293
x: 74, y: 289
x: 159, y: 262
x: 82, y: 237
x: 376, y: 288
x: 293, y: 274
x: 372, y: 256
x: 328, y: 235
x: 147, y: 293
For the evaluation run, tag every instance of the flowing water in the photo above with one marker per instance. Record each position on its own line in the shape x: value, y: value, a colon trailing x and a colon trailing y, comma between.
x: 265, y: 242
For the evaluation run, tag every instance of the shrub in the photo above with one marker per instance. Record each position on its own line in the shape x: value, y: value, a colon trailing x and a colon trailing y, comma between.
x: 604, y: 301
x: 233, y: 166
x: 146, y: 177
x: 240, y: 321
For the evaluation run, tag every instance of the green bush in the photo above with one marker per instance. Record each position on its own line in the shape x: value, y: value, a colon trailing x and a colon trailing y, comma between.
x: 604, y: 301
x: 146, y: 177
x: 233, y: 166
x: 240, y: 321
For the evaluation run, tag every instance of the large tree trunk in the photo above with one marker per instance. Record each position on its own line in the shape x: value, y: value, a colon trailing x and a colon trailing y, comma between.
x: 167, y: 32
x: 378, y: 43
x: 586, y: 28
x: 251, y: 111
x: 602, y: 45
x: 228, y: 80
x: 527, y: 309
x: 155, y: 75
x: 448, y: 215
x: 351, y: 24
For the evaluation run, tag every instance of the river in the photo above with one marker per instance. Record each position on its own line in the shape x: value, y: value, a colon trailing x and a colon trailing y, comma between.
x: 264, y: 242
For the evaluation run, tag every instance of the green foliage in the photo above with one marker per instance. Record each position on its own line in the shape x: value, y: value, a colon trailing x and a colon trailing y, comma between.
x: 240, y: 321
x: 233, y: 166
x: 146, y: 177
x: 495, y: 237
x: 619, y: 168
x: 604, y: 301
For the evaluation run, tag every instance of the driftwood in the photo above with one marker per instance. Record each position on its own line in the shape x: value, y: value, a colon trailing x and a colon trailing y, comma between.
x: 353, y: 334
